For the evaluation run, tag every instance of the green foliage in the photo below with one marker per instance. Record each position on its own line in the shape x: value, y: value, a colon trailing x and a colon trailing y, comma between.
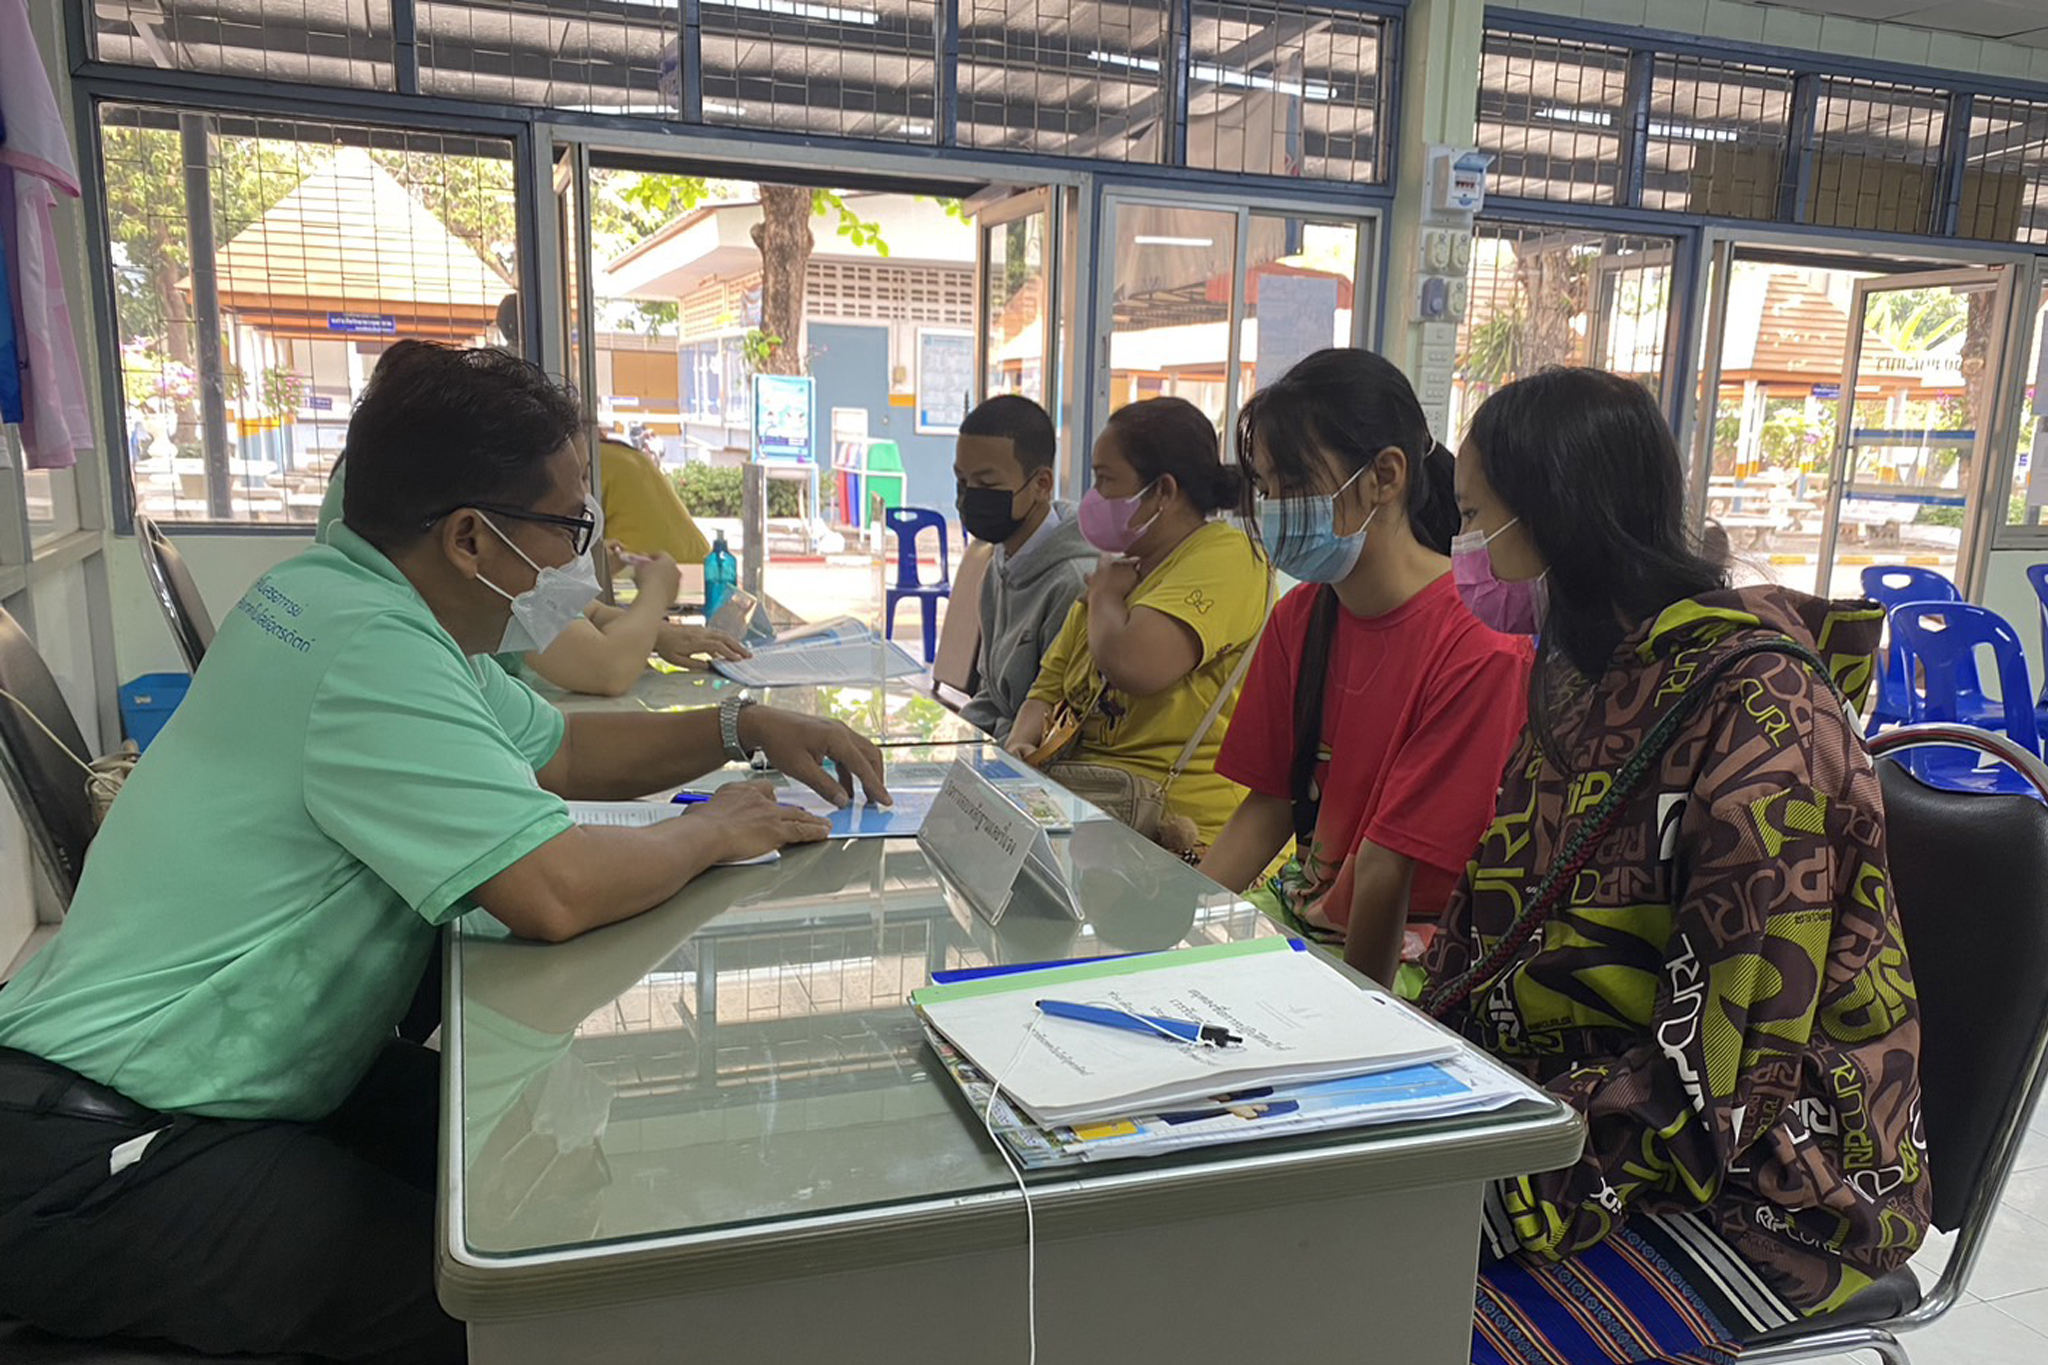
x: 757, y: 346
x: 1495, y: 350
x: 1912, y: 321
x: 714, y: 491
x: 861, y: 232
x: 280, y: 391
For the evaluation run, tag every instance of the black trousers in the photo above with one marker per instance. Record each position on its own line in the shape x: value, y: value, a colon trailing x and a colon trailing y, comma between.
x: 227, y: 1236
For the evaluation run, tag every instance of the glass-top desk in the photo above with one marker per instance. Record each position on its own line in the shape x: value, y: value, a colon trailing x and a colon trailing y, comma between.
x: 895, y: 709
x: 717, y: 1128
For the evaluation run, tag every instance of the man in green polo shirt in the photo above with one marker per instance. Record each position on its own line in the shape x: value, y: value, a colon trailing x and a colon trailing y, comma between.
x: 210, y: 1134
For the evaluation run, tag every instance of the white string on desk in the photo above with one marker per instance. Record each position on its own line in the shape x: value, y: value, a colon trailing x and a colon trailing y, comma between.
x: 1017, y: 1172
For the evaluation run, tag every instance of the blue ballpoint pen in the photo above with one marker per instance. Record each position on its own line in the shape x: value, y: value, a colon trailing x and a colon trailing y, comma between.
x: 688, y: 799
x: 1181, y: 1030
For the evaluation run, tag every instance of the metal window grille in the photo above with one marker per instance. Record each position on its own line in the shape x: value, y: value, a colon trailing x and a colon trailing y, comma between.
x: 844, y: 68
x: 1543, y: 296
x: 307, y: 42
x: 327, y: 243
x: 1552, y: 114
x: 1064, y: 80
x: 1285, y: 90
x: 1877, y: 153
x: 595, y: 56
x: 1717, y: 137
x: 2005, y: 173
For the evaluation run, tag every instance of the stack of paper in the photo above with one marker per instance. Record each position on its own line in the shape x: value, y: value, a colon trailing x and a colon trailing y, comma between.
x: 1318, y: 1053
x: 842, y: 650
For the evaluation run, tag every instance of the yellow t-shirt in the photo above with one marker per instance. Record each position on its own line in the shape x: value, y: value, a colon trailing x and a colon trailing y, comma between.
x: 1216, y: 583
x: 642, y: 510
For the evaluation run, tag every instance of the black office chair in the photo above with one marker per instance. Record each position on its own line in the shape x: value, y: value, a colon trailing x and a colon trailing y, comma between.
x: 44, y: 780
x: 1968, y: 872
x: 176, y: 592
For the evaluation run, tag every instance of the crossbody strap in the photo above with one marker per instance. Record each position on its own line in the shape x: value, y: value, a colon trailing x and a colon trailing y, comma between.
x: 1584, y: 841
x: 1230, y: 686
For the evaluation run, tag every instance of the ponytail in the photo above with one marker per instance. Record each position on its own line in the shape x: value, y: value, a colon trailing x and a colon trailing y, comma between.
x: 1433, y: 499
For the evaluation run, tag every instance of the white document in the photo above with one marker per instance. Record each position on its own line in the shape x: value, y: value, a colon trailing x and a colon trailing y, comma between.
x: 641, y: 814
x: 1300, y: 1018
x: 841, y: 650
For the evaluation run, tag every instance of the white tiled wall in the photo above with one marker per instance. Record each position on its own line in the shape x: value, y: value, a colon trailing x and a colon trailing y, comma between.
x: 1809, y: 33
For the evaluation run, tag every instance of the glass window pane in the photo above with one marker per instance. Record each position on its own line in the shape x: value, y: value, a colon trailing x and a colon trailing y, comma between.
x: 1717, y: 138
x: 1281, y: 90
x: 1551, y: 113
x: 1298, y: 293
x: 596, y: 56
x: 1878, y: 151
x: 1542, y: 296
x: 2027, y: 503
x: 1066, y: 80
x: 2005, y: 173
x: 329, y: 242
x: 1014, y: 310
x: 1170, y: 327
x: 848, y: 68
x: 307, y: 42
x: 52, y: 503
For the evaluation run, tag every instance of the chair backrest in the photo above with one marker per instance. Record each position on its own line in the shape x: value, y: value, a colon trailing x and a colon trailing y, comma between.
x: 1889, y: 585
x: 908, y: 523
x: 1966, y: 876
x: 960, y: 632
x: 2037, y: 574
x: 45, y: 781
x: 1942, y: 637
x: 176, y: 592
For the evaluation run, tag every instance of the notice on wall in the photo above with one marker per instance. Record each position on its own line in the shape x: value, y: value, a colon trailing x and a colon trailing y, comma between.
x: 1297, y: 317
x: 2036, y: 455
x: 945, y: 380
x: 782, y: 417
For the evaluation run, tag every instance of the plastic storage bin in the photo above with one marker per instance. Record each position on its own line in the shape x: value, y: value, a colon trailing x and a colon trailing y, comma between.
x: 147, y: 702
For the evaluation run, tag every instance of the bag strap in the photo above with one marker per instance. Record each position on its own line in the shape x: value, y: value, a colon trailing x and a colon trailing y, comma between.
x: 1585, y: 839
x: 1229, y: 690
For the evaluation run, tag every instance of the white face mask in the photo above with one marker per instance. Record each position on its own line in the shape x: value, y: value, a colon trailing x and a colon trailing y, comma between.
x: 557, y: 597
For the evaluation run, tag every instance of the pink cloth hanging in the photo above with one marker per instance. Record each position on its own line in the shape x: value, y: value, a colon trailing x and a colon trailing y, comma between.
x: 36, y: 158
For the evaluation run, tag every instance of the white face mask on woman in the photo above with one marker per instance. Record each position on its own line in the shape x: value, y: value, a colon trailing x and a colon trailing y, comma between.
x: 557, y: 597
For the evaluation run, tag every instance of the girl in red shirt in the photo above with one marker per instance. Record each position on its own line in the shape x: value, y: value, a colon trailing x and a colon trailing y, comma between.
x: 1378, y: 712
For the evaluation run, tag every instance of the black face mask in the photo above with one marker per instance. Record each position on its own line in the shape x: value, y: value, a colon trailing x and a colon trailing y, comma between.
x: 986, y: 513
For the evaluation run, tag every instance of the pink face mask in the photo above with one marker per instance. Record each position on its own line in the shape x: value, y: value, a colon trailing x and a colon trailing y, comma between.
x: 1106, y: 522
x: 1512, y: 607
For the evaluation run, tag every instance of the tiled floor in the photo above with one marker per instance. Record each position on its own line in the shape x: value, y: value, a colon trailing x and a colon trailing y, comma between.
x: 2003, y: 1319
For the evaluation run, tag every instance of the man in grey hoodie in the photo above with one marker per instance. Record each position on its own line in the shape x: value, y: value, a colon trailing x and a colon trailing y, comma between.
x: 1003, y: 468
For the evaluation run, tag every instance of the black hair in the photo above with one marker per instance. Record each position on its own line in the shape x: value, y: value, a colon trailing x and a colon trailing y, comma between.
x: 1021, y: 422
x: 507, y: 321
x: 1587, y: 461
x: 1162, y: 436
x: 439, y: 428
x: 1351, y: 404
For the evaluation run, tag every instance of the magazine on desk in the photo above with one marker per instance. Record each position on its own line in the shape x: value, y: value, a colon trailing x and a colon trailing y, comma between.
x: 841, y: 650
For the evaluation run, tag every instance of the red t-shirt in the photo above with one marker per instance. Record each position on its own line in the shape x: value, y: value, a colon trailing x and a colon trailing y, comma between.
x: 1421, y: 709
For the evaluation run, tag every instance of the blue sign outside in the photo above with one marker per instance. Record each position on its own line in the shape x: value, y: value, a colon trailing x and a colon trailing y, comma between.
x: 782, y: 418
x: 363, y: 324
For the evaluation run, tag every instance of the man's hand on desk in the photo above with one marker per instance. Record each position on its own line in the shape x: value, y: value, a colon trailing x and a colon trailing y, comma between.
x: 800, y: 746
x: 746, y: 821
x: 688, y: 646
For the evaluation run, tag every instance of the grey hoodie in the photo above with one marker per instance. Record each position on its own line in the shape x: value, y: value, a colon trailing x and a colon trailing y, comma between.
x: 1024, y: 602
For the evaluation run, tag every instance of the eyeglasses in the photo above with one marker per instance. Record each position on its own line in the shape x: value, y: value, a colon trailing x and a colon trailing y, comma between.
x: 582, y: 529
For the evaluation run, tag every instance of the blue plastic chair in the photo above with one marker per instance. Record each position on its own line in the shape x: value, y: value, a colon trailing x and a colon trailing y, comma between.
x: 1893, y: 585
x: 908, y: 523
x: 1941, y: 637
x: 2037, y: 574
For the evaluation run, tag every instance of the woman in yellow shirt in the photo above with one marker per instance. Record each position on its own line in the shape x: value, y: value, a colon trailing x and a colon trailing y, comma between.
x: 1165, y: 619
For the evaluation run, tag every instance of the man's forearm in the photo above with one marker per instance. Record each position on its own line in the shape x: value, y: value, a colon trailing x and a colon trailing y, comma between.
x: 618, y: 755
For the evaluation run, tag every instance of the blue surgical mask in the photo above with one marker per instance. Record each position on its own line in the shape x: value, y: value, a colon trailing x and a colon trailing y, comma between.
x: 1301, y: 535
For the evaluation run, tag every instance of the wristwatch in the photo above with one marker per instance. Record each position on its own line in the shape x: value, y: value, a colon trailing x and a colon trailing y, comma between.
x: 729, y: 726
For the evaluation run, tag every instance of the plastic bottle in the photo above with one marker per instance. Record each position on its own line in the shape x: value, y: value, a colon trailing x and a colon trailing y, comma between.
x: 721, y: 575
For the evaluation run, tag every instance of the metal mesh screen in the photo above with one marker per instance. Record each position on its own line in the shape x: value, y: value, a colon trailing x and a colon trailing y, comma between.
x: 309, y: 42
x: 1067, y: 80
x: 851, y: 68
x: 597, y: 56
x: 1543, y: 296
x: 1551, y: 112
x: 1283, y: 90
x: 1877, y: 152
x: 260, y: 268
x: 2005, y: 173
x: 1717, y: 137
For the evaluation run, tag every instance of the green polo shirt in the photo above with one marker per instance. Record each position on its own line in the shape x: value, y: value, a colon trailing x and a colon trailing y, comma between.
x: 254, y: 916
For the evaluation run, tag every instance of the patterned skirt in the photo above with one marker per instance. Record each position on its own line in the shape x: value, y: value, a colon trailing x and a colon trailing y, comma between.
x: 1663, y: 1289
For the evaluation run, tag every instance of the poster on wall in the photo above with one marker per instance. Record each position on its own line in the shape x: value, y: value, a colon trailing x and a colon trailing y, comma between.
x: 1297, y: 317
x: 782, y: 418
x: 945, y: 380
